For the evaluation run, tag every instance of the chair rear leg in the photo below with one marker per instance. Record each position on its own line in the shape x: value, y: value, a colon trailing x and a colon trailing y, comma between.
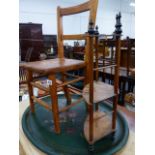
x: 66, y: 90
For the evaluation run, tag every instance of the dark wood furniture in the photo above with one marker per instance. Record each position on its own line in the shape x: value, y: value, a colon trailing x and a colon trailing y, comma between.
x: 60, y: 65
x: 127, y: 65
x: 128, y: 54
x: 50, y: 41
x: 127, y: 62
x: 78, y: 51
x: 31, y: 41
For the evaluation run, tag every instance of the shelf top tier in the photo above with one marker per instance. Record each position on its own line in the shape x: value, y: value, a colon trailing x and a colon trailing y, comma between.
x: 102, y: 91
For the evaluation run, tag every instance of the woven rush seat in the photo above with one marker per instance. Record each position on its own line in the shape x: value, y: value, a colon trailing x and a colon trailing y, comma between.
x: 54, y: 65
x: 102, y: 91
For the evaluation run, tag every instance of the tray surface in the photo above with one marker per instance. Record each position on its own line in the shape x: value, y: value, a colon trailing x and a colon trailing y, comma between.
x: 39, y: 129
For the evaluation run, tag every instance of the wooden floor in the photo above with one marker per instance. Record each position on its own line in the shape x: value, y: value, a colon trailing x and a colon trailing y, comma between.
x: 26, y: 148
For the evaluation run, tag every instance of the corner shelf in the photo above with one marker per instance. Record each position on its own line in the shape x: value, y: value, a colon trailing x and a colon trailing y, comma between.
x: 102, y: 91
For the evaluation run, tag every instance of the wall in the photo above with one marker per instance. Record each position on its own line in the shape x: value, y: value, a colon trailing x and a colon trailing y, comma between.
x: 44, y: 11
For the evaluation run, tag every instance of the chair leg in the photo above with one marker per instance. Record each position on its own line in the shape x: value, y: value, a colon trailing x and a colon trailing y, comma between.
x: 91, y: 122
x: 114, y: 116
x: 66, y: 90
x: 54, y: 98
x: 30, y: 90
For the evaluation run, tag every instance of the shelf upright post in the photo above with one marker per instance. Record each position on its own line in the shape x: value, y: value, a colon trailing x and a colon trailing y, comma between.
x: 117, y: 35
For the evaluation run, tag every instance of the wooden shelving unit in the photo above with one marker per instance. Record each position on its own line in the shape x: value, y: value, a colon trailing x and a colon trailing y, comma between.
x: 95, y: 90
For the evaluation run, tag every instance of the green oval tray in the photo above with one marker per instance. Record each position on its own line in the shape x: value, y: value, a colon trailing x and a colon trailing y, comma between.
x: 39, y: 129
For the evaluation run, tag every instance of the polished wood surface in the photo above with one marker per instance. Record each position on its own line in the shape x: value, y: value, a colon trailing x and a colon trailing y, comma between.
x: 54, y: 98
x: 60, y: 33
x: 89, y: 59
x: 92, y: 92
x: 65, y: 87
x: 71, y: 81
x: 102, y: 91
x: 23, y: 74
x: 96, y: 57
x: 42, y: 103
x: 54, y: 65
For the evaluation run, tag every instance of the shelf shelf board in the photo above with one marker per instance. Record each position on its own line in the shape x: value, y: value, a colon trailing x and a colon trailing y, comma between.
x: 102, y: 91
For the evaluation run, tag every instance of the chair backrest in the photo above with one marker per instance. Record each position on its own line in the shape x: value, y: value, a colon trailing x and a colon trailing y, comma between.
x: 91, y: 6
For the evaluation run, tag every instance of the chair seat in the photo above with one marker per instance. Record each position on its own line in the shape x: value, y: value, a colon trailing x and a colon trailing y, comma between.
x: 54, y: 65
x: 102, y: 91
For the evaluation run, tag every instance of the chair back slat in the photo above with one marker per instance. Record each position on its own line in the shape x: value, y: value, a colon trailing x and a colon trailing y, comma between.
x: 75, y: 9
x: 74, y: 37
x: 91, y: 6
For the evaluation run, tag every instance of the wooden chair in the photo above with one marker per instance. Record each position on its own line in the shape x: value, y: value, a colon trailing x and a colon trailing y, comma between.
x: 60, y: 64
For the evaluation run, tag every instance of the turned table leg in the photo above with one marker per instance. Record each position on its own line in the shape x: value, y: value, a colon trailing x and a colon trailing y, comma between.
x: 30, y: 89
x: 54, y: 98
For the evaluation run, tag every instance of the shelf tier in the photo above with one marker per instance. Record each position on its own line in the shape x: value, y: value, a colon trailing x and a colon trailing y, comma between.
x: 102, y: 126
x: 102, y: 91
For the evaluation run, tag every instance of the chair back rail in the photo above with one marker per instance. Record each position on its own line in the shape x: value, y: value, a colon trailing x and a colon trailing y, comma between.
x: 75, y: 9
x: 87, y: 6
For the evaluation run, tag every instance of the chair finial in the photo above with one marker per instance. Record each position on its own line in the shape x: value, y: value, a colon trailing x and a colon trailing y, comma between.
x: 118, y: 30
x: 91, y: 28
x: 96, y: 30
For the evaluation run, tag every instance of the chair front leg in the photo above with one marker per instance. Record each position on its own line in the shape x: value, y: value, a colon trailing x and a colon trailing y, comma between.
x: 54, y: 98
